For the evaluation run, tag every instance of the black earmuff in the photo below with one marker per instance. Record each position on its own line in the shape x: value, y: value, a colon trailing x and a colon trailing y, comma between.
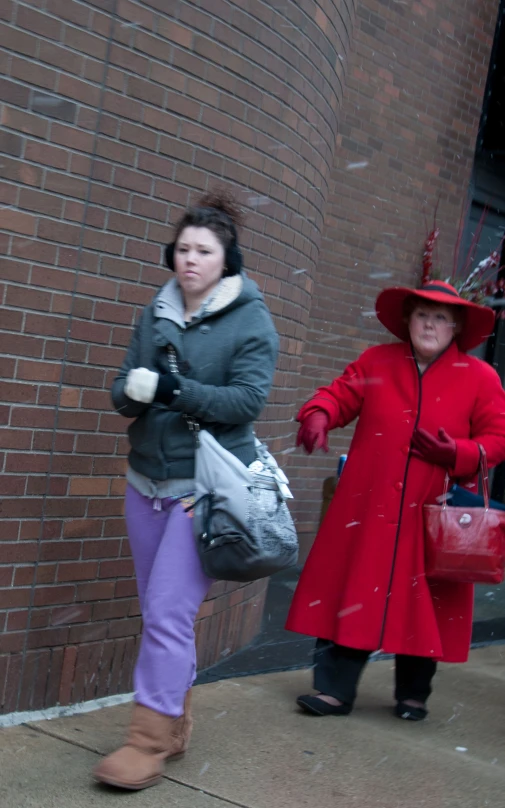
x: 169, y: 255
x: 234, y: 258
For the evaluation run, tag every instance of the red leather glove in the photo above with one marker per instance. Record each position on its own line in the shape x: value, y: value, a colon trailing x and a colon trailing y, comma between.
x: 313, y: 433
x: 439, y: 450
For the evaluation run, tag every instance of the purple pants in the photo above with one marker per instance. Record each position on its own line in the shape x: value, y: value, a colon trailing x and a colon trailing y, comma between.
x: 171, y: 586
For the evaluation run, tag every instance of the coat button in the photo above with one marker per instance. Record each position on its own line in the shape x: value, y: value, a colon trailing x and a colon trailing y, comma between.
x: 204, y: 329
x: 405, y: 450
x: 398, y: 486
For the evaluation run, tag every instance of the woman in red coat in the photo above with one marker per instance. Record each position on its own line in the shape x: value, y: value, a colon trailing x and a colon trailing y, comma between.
x: 423, y: 406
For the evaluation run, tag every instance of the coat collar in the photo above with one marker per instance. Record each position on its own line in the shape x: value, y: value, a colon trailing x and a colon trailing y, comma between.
x: 169, y: 303
x: 451, y: 354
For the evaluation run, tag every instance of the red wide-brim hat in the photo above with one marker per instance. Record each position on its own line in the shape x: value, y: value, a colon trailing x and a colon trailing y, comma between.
x: 478, y: 322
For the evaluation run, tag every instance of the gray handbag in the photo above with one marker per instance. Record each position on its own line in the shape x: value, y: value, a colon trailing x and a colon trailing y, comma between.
x: 242, y: 525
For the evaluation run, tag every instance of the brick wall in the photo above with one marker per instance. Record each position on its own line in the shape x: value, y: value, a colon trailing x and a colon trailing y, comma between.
x: 115, y: 114
x: 406, y: 138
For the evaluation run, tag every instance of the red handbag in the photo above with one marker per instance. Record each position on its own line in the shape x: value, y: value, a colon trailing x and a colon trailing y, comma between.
x: 465, y: 545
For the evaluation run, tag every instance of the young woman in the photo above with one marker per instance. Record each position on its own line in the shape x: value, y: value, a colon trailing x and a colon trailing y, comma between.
x: 206, y: 349
x: 423, y: 407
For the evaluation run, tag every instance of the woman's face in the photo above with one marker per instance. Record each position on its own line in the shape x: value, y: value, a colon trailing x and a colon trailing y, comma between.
x: 432, y: 329
x: 199, y: 260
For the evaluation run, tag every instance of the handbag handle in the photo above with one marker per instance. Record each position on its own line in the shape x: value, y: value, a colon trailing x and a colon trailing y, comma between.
x: 483, y: 475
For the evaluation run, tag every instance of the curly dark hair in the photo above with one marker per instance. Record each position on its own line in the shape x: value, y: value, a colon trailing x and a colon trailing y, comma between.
x: 219, y: 211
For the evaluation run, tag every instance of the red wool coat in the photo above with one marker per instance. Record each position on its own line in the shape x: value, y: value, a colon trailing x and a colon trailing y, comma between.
x: 363, y: 584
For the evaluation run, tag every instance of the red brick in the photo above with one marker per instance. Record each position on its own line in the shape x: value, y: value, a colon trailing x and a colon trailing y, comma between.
x: 20, y: 462
x: 15, y: 439
x: 62, y: 58
x: 143, y: 251
x: 115, y: 527
x: 99, y: 590
x: 33, y: 417
x: 97, y: 287
x: 65, y: 507
x: 86, y: 377
x: 13, y: 93
x: 7, y: 367
x: 22, y: 70
x: 70, y: 397
x: 21, y: 297
x: 48, y: 637
x: 41, y: 24
x: 14, y: 598
x: 10, y: 644
x: 10, y: 528
x: 136, y: 294
x: 19, y: 41
x: 150, y: 208
x: 89, y: 486
x: 77, y: 571
x: 59, y: 232
x: 125, y: 628
x: 12, y: 486
x: 110, y: 357
x: 60, y: 551
x: 56, y: 486
x: 48, y: 326
x: 13, y: 270
x: 40, y: 202
x: 51, y: 595
x: 37, y: 371
x: 118, y: 488
x: 112, y: 313
x: 24, y: 121
x: 18, y: 222
x: 109, y: 465
x: 72, y: 12
x: 17, y: 552
x: 12, y: 320
x: 53, y: 278
x: 116, y: 569
x: 70, y: 614
x: 66, y: 185
x: 10, y: 144
x: 105, y: 548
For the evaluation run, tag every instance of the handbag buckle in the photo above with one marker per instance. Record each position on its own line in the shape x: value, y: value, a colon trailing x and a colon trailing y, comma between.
x: 465, y: 519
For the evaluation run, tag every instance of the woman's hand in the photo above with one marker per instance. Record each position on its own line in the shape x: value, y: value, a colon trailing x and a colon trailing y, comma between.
x: 147, y: 386
x: 439, y: 450
x: 141, y: 385
x: 313, y: 433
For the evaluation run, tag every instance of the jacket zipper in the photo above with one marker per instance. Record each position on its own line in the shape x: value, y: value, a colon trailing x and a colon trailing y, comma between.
x: 402, y: 499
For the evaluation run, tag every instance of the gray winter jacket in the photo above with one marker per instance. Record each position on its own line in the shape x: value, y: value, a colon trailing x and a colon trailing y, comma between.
x: 226, y: 359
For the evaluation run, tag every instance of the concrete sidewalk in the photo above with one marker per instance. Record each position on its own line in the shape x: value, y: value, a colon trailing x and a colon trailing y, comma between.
x: 252, y: 748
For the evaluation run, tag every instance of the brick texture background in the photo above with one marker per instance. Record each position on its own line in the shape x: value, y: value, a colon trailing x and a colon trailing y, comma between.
x: 116, y: 114
x: 406, y: 139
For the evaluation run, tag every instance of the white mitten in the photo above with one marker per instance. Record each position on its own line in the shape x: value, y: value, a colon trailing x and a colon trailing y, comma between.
x: 141, y: 385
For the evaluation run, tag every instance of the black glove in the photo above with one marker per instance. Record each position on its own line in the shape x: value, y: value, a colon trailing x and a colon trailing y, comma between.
x: 165, y: 391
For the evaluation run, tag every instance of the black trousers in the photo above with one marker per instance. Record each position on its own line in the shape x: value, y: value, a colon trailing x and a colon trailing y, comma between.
x: 338, y: 670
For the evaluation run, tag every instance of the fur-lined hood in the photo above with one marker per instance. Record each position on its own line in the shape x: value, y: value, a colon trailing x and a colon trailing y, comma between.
x: 229, y: 293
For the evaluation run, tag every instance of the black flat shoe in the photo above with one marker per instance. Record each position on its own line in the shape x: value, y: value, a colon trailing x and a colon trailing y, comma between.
x: 409, y: 713
x: 316, y: 706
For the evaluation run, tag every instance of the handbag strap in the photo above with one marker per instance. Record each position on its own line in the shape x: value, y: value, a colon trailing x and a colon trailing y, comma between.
x: 483, y: 475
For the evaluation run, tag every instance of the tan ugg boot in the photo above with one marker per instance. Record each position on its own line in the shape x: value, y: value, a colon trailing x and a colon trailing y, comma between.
x: 152, y: 739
